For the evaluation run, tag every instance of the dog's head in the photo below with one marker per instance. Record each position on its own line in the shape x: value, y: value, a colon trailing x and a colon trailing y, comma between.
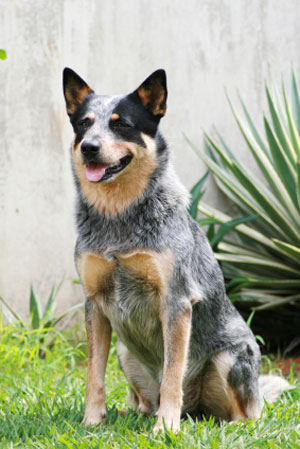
x: 114, y: 146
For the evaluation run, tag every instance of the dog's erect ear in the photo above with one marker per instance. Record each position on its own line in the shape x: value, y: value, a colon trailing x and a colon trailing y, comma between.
x: 153, y: 93
x: 75, y: 90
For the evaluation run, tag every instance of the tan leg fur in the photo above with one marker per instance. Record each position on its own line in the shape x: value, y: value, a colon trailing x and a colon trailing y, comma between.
x: 99, y: 336
x: 96, y: 275
x: 217, y: 396
x: 176, y: 333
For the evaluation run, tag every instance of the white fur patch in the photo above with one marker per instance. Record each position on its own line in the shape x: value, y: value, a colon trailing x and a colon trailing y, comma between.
x: 175, y: 187
x: 272, y: 386
x: 137, y: 375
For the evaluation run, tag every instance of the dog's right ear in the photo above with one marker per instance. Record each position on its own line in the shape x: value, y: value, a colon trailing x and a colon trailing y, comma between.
x: 153, y: 93
x: 75, y: 90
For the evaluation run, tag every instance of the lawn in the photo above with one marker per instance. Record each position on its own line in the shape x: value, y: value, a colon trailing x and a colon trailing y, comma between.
x: 42, y: 404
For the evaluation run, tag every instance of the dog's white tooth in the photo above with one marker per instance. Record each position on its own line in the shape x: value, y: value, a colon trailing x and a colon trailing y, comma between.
x: 115, y: 164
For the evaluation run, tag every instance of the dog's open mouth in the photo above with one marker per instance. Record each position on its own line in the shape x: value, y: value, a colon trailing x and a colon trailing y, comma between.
x: 96, y: 172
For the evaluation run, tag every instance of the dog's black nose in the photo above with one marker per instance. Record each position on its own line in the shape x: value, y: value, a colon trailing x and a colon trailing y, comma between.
x: 90, y: 149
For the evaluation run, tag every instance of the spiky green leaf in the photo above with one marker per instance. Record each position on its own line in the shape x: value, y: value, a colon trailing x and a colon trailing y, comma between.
x: 34, y: 309
x: 265, y: 165
x: 49, y: 306
x: 290, y: 249
x: 196, y: 194
x: 284, y: 167
x: 227, y: 227
x: 292, y: 126
x: 280, y: 131
x: 295, y: 102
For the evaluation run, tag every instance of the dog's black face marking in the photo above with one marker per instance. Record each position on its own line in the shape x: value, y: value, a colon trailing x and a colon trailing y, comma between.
x: 134, y: 119
x: 100, y: 121
x: 85, y: 123
x: 139, y: 111
x: 143, y: 108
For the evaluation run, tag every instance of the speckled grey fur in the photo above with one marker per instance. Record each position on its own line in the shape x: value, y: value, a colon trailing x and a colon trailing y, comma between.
x: 158, y: 221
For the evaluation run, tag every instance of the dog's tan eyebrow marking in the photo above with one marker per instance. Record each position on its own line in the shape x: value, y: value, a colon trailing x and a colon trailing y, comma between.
x: 114, y: 117
x: 91, y: 116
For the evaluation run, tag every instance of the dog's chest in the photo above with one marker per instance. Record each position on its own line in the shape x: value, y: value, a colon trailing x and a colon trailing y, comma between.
x: 129, y: 291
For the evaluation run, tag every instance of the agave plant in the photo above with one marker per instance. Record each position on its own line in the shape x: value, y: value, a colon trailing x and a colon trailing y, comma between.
x: 261, y: 259
x: 43, y: 323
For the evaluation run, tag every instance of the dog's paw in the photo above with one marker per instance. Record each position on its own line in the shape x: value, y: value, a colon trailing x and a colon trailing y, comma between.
x: 93, y: 417
x: 169, y: 422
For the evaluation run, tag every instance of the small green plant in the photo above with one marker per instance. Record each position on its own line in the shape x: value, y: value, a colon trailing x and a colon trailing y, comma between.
x: 42, y: 322
x: 261, y: 259
x: 3, y: 54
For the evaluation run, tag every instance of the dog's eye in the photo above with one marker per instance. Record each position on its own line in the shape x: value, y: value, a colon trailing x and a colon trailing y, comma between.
x: 121, y: 124
x: 84, y: 123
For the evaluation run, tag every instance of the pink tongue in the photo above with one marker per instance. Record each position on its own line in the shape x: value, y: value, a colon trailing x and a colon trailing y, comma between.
x: 94, y: 172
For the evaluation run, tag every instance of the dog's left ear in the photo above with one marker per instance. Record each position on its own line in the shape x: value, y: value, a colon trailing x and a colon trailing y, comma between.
x: 153, y: 93
x: 75, y: 90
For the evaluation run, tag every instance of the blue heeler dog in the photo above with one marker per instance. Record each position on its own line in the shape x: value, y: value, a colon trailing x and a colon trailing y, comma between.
x: 149, y: 272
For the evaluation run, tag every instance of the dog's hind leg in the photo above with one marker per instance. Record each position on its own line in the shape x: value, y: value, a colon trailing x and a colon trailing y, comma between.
x: 144, y: 391
x: 230, y: 385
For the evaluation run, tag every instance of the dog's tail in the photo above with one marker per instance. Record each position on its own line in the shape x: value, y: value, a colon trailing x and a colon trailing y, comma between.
x: 272, y: 386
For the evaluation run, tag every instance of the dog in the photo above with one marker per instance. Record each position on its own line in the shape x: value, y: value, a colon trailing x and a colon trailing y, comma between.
x: 148, y: 271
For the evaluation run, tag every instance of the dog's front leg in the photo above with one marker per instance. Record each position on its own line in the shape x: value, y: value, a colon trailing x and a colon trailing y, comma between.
x: 176, y: 325
x: 98, y: 330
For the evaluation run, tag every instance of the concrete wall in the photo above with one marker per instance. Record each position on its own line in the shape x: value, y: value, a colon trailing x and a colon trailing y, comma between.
x: 203, y: 44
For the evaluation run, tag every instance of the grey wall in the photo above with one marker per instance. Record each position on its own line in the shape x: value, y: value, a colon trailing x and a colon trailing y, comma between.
x: 204, y: 45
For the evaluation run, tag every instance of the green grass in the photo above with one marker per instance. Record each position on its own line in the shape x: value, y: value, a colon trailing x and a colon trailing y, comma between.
x: 42, y: 404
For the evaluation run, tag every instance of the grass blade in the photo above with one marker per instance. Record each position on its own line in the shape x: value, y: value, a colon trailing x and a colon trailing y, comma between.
x: 11, y: 315
x: 49, y: 306
x: 34, y: 309
x: 55, y: 321
x: 74, y: 280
